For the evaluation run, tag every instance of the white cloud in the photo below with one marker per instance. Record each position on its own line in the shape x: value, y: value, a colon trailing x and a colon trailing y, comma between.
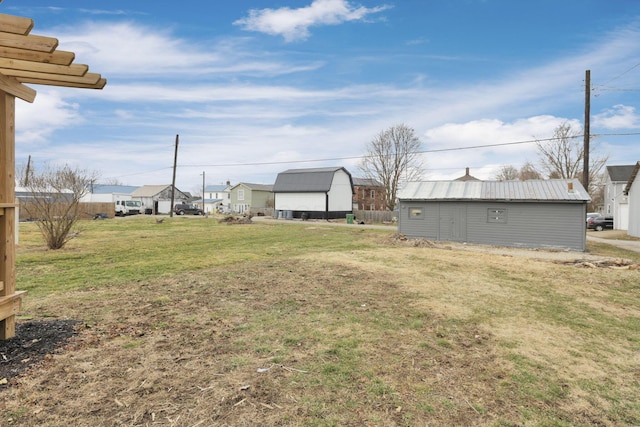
x: 518, y: 137
x: 618, y: 117
x: 293, y: 24
x: 37, y: 121
x: 126, y: 49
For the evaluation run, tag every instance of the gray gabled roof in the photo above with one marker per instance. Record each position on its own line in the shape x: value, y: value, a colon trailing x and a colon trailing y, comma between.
x: 530, y: 190
x: 218, y: 188
x: 313, y: 180
x: 255, y: 187
x: 632, y: 178
x: 620, y: 173
x: 366, y: 182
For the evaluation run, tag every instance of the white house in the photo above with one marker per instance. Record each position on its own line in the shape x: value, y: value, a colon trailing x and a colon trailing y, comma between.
x: 323, y: 193
x: 616, y: 203
x: 632, y: 190
x: 217, y: 198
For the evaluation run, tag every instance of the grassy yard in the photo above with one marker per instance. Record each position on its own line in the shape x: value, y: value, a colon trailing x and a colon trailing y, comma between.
x: 196, y: 323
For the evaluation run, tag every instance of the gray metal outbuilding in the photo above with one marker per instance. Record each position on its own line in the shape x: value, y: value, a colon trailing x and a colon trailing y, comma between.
x: 530, y: 214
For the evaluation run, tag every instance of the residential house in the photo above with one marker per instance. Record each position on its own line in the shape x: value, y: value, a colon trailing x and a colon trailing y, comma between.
x: 324, y: 193
x: 632, y: 191
x: 217, y: 198
x: 529, y: 214
x: 368, y: 195
x: 156, y: 199
x: 256, y: 199
x: 467, y: 177
x: 616, y: 203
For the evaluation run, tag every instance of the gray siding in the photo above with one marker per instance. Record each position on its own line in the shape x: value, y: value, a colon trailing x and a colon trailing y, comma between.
x: 555, y: 225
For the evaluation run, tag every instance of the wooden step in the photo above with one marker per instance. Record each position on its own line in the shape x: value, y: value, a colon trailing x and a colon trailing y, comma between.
x: 10, y: 304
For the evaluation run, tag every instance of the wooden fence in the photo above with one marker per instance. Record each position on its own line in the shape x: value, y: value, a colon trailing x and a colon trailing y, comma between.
x: 376, y: 217
x: 87, y: 210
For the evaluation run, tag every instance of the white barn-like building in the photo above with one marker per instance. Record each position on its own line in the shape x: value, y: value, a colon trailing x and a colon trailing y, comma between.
x: 320, y: 193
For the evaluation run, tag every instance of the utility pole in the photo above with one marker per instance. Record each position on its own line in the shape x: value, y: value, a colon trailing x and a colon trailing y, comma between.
x: 173, y: 182
x: 587, y: 110
x: 203, y: 208
x: 28, y: 171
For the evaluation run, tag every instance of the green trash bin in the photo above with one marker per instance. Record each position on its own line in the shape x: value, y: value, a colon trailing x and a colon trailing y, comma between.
x: 350, y: 218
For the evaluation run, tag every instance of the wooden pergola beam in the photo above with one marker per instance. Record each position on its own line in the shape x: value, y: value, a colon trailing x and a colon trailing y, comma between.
x: 13, y: 87
x: 30, y: 42
x: 37, y: 67
x: 58, y: 57
x: 100, y: 84
x: 31, y: 77
x: 15, y: 24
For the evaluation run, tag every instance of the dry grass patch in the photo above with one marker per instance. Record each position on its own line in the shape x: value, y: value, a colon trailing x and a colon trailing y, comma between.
x: 338, y: 328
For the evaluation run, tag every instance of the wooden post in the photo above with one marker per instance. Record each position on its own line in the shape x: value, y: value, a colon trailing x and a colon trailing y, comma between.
x: 9, y: 300
x: 26, y: 59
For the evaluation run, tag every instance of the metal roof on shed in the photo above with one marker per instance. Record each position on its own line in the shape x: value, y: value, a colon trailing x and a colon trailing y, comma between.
x: 306, y: 180
x: 530, y: 190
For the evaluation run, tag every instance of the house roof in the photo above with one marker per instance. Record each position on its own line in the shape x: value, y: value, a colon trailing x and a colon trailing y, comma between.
x: 366, y: 182
x: 620, y: 173
x: 219, y: 187
x: 634, y: 174
x: 149, y: 190
x: 530, y: 190
x: 467, y: 177
x: 313, y: 180
x: 112, y: 189
x: 256, y: 187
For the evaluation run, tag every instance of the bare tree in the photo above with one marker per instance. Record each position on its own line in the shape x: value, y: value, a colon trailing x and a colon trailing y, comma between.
x: 507, y: 173
x: 393, y: 155
x: 563, y: 157
x: 54, y: 202
x: 529, y: 171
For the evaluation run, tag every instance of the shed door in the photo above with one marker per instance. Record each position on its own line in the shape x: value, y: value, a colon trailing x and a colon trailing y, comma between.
x: 453, y: 222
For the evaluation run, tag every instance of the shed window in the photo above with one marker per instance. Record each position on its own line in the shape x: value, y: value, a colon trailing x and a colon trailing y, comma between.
x: 498, y: 216
x: 416, y: 213
x: 241, y: 194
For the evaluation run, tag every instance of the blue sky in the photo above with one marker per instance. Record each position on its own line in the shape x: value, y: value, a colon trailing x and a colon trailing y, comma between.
x: 254, y: 87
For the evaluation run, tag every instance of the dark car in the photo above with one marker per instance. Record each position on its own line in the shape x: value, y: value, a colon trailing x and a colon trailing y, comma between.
x: 593, y: 215
x: 600, y: 223
x: 182, y: 209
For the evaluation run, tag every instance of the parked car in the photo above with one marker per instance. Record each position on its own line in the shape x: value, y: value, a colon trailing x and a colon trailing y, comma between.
x: 600, y: 223
x: 592, y: 215
x: 182, y: 209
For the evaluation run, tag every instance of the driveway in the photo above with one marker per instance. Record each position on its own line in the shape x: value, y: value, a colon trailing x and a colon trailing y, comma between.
x: 610, y: 237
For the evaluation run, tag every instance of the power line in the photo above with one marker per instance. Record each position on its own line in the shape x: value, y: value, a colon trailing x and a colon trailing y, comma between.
x: 439, y: 150
x: 617, y: 77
